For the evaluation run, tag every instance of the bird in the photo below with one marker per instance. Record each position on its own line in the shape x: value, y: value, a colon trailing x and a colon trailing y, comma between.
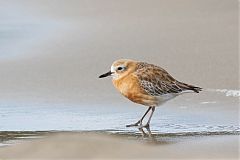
x: 146, y: 84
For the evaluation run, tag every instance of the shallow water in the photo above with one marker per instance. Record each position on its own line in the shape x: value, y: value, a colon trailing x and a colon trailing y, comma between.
x: 182, y: 115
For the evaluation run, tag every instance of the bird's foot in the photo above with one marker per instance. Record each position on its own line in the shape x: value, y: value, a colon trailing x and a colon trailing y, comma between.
x: 134, y: 125
x: 143, y: 133
x: 147, y: 126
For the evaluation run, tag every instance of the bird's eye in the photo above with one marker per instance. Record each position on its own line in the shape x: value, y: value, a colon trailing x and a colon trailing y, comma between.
x: 120, y: 68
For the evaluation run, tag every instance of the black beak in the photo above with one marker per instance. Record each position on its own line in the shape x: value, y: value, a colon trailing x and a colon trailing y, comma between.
x: 106, y: 74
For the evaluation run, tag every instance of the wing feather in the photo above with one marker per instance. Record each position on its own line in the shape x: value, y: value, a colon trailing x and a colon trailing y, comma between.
x: 156, y: 81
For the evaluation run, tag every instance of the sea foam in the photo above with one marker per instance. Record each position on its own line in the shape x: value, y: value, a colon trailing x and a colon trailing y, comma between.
x: 228, y: 93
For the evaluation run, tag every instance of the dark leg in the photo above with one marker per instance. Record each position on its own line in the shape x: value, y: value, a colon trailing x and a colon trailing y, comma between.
x: 147, y: 125
x: 140, y: 121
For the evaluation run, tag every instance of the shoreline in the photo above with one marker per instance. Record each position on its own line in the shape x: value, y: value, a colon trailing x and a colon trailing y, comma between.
x: 13, y: 135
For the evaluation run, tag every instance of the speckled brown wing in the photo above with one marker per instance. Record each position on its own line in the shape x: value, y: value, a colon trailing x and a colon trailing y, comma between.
x: 156, y: 81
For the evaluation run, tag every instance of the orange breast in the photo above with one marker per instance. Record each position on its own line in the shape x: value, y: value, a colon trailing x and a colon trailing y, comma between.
x: 130, y: 88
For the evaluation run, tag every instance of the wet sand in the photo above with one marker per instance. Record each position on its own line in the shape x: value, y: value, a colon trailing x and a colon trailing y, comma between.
x: 101, y: 145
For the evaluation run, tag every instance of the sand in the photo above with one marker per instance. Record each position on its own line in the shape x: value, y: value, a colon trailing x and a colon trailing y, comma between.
x: 101, y: 146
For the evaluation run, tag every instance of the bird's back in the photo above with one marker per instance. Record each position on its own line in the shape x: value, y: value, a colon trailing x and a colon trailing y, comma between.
x: 157, y: 82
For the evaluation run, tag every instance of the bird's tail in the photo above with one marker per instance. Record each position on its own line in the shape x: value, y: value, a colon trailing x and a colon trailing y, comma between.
x: 185, y: 86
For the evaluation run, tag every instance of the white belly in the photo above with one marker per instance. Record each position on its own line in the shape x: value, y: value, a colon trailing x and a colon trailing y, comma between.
x: 166, y: 97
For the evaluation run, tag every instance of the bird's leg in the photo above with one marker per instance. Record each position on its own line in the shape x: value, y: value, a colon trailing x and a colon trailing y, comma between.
x: 147, y: 125
x: 140, y: 121
x: 142, y: 131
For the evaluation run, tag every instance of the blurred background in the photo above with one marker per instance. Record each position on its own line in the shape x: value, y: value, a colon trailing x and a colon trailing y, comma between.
x: 52, y: 52
x: 55, y: 50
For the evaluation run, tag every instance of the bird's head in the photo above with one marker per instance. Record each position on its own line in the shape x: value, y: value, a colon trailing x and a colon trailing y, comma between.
x: 120, y: 68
